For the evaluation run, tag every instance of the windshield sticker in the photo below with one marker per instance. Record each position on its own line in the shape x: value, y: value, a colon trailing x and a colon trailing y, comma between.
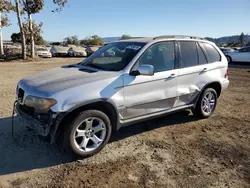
x: 133, y: 47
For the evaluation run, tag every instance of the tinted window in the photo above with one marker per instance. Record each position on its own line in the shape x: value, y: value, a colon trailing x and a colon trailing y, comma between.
x: 161, y: 55
x: 202, y: 58
x: 212, y: 53
x: 189, y: 56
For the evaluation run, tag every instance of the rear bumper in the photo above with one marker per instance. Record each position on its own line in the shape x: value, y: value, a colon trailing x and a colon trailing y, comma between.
x: 225, y: 84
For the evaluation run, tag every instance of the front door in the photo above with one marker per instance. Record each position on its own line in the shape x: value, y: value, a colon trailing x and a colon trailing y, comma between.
x: 145, y: 95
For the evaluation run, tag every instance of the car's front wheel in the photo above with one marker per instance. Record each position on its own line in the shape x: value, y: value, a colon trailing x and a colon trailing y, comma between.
x: 88, y: 133
x: 206, y: 103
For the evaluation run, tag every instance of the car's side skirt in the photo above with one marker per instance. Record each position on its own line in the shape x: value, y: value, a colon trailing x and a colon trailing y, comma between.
x: 130, y: 121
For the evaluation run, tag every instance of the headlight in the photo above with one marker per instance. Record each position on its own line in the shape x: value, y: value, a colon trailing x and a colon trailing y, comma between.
x: 39, y: 103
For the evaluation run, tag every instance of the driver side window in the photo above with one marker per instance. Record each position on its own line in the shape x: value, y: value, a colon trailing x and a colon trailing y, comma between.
x: 161, y: 55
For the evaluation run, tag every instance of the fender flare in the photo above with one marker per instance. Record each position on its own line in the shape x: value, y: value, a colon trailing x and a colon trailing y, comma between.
x: 203, y: 89
x: 60, y: 116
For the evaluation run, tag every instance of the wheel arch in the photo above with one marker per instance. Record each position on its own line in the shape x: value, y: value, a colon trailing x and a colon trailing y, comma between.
x: 216, y: 85
x: 104, y: 105
x: 229, y: 57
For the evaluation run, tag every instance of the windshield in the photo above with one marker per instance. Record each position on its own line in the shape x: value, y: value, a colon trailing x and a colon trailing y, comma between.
x: 114, y: 56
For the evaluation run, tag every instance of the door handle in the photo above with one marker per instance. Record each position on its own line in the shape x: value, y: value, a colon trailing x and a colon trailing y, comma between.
x: 172, y: 76
x: 205, y: 70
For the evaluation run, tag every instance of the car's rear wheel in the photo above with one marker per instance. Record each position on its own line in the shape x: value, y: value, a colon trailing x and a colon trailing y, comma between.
x: 88, y: 133
x: 206, y: 103
x: 229, y: 59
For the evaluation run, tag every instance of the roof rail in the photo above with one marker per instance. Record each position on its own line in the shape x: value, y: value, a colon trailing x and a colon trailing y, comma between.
x: 132, y: 38
x: 178, y: 37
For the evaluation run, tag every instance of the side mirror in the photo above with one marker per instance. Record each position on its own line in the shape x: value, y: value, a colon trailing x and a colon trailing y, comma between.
x: 145, y: 70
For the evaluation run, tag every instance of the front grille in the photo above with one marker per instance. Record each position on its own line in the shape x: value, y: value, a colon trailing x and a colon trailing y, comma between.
x: 20, y: 95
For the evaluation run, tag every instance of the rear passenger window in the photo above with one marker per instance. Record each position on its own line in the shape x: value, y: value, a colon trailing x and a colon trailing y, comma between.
x: 189, y: 56
x: 212, y: 53
x: 202, y: 58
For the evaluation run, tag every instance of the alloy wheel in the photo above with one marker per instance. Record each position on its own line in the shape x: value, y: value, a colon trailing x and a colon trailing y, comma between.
x: 208, y: 103
x: 89, y: 134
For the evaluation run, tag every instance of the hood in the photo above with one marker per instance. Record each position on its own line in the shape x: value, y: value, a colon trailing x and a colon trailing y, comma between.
x: 49, y: 82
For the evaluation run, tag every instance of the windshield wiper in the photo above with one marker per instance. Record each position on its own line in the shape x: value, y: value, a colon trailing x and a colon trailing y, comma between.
x: 94, y: 66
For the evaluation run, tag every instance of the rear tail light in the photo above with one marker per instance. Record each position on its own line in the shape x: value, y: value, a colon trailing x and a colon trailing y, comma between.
x: 226, y: 75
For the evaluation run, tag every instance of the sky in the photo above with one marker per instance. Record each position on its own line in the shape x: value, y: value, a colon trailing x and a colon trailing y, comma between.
x: 112, y: 18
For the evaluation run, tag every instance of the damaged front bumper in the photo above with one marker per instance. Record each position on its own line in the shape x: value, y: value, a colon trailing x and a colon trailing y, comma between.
x: 44, y: 124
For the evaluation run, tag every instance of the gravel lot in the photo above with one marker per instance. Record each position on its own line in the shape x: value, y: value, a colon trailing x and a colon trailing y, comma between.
x: 173, y: 151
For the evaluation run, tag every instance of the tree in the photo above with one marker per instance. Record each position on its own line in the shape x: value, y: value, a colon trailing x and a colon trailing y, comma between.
x: 95, y: 40
x: 125, y: 37
x: 32, y: 7
x: 5, y: 7
x: 16, y: 37
x: 233, y: 44
x: 40, y: 41
x: 20, y: 23
x: 36, y: 29
x: 71, y: 40
x: 60, y: 4
x: 84, y: 42
x: 241, y: 39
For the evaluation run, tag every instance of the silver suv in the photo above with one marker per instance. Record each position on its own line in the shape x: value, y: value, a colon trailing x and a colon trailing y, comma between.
x: 122, y: 83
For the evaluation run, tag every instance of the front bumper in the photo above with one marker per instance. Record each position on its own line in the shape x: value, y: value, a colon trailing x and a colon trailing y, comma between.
x: 42, y: 127
x: 45, y: 55
x: 45, y: 126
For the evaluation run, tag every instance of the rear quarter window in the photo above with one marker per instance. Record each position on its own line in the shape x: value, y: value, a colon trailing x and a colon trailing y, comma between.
x: 213, y: 54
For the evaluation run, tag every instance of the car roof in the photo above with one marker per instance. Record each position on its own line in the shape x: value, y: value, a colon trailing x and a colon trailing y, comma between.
x: 164, y: 37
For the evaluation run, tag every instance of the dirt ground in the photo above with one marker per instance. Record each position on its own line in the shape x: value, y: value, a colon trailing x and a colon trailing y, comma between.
x: 173, y: 151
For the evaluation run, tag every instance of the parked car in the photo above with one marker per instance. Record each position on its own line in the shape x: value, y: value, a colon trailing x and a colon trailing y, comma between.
x: 91, y: 49
x: 77, y: 51
x: 12, y: 50
x: 59, y: 51
x: 85, y: 102
x: 43, y: 52
x: 227, y: 50
x: 241, y: 55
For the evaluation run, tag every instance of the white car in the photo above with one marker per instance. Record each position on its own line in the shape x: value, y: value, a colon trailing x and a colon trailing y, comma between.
x: 77, y: 51
x: 82, y: 104
x: 59, y: 51
x: 241, y: 55
x: 43, y: 52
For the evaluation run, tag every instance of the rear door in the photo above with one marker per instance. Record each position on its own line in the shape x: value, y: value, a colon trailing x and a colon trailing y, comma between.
x: 194, y: 71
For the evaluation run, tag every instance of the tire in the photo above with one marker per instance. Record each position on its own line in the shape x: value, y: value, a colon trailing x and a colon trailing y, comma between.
x: 229, y: 59
x: 201, y: 109
x: 72, y: 139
